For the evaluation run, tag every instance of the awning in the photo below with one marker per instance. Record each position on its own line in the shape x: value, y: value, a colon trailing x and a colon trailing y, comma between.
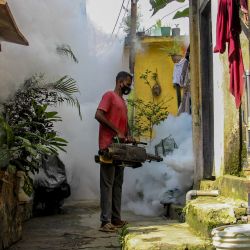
x: 9, y: 31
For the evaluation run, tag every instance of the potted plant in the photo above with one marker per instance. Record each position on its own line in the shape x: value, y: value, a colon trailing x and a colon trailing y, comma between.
x: 27, y: 129
x: 148, y: 114
x: 175, y: 51
x: 176, y: 30
x: 166, y: 30
x: 157, y: 28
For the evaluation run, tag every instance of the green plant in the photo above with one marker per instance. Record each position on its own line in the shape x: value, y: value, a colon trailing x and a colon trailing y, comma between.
x: 24, y: 142
x: 126, y: 22
x: 148, y: 113
x: 175, y: 49
x: 183, y: 13
x: 27, y: 127
x: 122, y: 235
x: 160, y: 4
x: 158, y: 24
x: 66, y: 50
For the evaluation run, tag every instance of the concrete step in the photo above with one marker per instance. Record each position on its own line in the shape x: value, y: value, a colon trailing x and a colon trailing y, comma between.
x: 167, y: 235
x: 205, y: 213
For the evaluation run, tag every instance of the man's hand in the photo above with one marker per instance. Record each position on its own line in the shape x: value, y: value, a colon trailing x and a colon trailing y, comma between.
x: 130, y: 139
x: 120, y: 135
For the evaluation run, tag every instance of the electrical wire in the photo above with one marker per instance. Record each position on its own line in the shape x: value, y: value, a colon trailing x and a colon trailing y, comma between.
x: 168, y: 15
x: 126, y: 10
x: 118, y: 17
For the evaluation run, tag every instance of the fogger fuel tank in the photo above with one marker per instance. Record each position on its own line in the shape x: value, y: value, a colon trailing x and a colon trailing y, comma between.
x: 126, y: 154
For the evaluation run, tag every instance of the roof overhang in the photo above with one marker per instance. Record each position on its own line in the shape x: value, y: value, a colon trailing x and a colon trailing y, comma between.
x: 9, y: 31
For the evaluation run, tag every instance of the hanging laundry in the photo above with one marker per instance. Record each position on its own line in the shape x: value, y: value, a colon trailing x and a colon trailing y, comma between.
x: 177, y: 72
x: 227, y: 31
x: 185, y: 105
x: 184, y: 73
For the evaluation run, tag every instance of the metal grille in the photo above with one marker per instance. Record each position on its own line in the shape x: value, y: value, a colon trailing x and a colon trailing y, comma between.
x: 166, y: 146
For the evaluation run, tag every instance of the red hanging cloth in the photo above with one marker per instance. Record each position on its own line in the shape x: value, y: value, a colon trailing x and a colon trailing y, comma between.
x: 227, y: 31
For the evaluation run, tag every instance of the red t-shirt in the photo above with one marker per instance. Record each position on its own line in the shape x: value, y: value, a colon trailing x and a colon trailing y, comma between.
x: 115, y: 110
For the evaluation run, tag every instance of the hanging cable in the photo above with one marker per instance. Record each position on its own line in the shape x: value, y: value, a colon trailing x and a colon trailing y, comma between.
x: 126, y: 10
x: 118, y: 17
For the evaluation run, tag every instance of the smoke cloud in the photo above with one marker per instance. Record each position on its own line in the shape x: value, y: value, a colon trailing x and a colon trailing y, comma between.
x: 155, y: 184
x: 47, y: 24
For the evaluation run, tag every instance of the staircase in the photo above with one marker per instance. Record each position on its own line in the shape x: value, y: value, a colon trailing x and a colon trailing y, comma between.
x: 202, y: 214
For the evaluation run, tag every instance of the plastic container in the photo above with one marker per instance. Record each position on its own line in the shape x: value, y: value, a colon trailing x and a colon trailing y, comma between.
x: 165, y: 31
x: 236, y: 237
x: 176, y: 31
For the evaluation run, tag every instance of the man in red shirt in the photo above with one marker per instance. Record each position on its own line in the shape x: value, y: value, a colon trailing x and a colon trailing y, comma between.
x: 112, y: 116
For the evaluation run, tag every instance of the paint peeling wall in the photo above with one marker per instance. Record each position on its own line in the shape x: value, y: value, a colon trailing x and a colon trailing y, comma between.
x: 218, y: 100
x: 229, y: 131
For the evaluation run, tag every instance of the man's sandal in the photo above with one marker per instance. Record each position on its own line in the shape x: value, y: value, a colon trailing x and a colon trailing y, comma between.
x: 119, y: 223
x: 108, y: 228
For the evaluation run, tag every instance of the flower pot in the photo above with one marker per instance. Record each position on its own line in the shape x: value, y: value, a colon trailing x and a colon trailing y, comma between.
x: 156, y: 32
x: 165, y: 31
x: 176, y: 58
x: 156, y: 90
x: 140, y: 33
x: 176, y: 32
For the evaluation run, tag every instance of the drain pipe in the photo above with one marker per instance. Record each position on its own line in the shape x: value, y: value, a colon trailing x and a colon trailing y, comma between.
x: 248, y: 204
x: 192, y: 193
x: 246, y: 218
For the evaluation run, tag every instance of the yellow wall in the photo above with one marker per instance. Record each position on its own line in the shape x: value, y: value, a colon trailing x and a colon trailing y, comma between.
x: 151, y: 56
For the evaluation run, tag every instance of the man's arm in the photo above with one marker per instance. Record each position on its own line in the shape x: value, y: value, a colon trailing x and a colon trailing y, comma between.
x: 100, y: 117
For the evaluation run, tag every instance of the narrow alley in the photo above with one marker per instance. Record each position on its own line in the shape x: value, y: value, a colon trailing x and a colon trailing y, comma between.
x: 123, y: 111
x: 77, y: 227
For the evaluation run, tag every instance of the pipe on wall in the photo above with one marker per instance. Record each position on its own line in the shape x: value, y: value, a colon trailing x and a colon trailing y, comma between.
x: 192, y: 193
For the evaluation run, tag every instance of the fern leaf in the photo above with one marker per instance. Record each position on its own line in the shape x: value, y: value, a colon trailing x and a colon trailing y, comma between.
x: 66, y: 50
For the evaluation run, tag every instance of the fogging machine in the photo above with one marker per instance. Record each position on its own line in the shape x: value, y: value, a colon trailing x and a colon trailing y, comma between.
x: 128, y: 155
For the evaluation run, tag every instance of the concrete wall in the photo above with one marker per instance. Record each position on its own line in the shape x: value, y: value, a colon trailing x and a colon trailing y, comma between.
x: 152, y: 56
x: 229, y: 132
x: 218, y: 101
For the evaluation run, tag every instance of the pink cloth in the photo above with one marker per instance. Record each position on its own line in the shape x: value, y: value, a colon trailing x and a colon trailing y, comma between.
x: 115, y: 110
x: 227, y: 31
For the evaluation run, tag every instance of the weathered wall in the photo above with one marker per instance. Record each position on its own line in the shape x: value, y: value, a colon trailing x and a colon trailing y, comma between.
x: 229, y: 131
x: 12, y: 213
x: 152, y: 56
x: 218, y: 100
x: 234, y: 129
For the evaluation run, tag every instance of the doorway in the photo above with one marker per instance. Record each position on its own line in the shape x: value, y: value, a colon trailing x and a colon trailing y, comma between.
x: 206, y: 52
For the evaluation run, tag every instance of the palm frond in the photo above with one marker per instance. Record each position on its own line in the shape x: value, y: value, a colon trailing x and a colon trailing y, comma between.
x: 66, y: 50
x: 65, y: 85
x: 66, y: 88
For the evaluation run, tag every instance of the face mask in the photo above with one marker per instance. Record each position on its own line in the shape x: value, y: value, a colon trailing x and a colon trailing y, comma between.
x: 126, y: 90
